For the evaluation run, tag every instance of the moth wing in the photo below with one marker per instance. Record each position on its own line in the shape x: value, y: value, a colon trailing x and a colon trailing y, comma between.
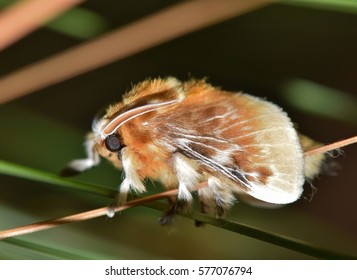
x: 247, y: 141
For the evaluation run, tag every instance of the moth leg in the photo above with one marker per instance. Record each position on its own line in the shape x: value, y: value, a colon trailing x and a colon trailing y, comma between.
x: 177, y: 207
x: 187, y: 177
x: 207, y: 203
x: 215, y: 199
x: 80, y: 165
x: 131, y: 183
x: 119, y: 199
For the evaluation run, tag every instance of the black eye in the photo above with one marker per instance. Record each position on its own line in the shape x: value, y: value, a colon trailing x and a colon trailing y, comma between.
x: 113, y: 143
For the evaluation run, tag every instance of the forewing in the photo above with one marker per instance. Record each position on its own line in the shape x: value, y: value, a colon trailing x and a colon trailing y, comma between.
x: 243, y: 139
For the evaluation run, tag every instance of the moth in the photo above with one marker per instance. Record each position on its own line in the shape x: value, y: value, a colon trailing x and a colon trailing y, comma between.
x: 183, y: 134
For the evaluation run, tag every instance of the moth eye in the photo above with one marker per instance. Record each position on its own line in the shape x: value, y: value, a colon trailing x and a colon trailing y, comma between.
x: 113, y: 143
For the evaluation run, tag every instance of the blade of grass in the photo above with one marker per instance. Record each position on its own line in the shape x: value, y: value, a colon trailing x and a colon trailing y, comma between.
x: 321, y: 100
x: 25, y: 172
x: 346, y: 6
x: 272, y: 238
x: 39, y: 248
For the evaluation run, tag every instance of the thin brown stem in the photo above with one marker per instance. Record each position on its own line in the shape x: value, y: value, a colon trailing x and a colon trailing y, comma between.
x: 333, y: 146
x: 87, y: 215
x: 24, y: 17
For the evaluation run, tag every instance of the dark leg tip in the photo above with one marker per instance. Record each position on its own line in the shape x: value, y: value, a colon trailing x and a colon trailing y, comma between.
x: 168, y: 216
x: 166, y: 220
x: 69, y: 172
x: 199, y: 223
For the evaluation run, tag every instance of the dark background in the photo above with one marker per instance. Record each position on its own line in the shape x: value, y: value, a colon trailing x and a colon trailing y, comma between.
x: 281, y: 52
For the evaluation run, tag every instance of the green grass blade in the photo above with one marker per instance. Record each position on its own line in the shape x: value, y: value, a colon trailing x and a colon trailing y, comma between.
x: 16, y: 170
x: 273, y: 238
x: 263, y: 235
x: 39, y: 248
x: 320, y: 100
x: 345, y: 6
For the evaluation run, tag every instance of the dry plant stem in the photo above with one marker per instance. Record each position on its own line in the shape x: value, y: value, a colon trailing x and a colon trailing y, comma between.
x: 25, y: 16
x: 79, y: 217
x: 86, y: 215
x: 333, y: 146
x: 145, y: 33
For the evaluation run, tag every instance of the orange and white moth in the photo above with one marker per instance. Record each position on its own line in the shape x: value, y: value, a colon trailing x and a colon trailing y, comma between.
x: 187, y: 133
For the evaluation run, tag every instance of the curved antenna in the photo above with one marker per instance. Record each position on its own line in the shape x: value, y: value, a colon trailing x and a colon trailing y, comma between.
x: 121, y: 119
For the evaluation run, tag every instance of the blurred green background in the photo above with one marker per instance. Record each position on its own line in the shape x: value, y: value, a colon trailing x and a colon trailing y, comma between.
x: 302, y: 57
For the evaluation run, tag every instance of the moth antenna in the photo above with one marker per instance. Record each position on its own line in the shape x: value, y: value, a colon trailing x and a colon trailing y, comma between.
x: 121, y: 119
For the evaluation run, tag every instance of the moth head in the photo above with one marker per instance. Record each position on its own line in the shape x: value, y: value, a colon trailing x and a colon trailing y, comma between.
x: 107, y: 139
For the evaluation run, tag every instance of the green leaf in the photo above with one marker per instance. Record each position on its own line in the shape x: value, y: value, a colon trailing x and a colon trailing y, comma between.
x: 321, y: 100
